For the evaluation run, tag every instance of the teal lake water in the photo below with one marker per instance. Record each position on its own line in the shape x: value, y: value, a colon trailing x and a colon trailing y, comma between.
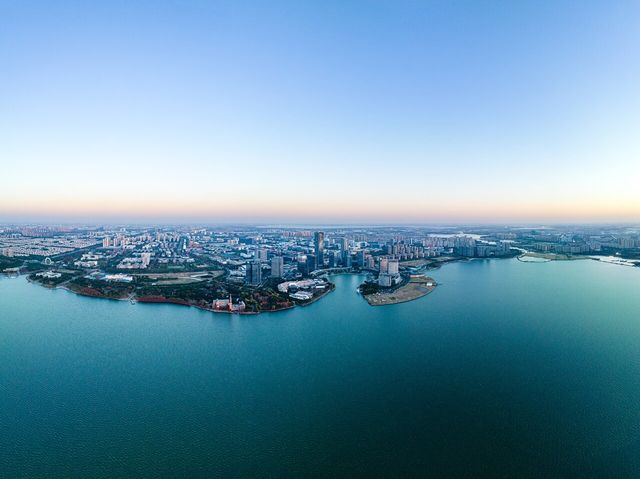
x: 507, y: 369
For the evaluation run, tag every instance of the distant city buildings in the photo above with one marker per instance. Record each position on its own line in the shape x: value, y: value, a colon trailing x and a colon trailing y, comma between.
x: 238, y: 255
x: 16, y: 245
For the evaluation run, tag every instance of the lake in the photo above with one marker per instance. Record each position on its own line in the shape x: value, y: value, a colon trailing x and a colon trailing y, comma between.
x: 507, y: 369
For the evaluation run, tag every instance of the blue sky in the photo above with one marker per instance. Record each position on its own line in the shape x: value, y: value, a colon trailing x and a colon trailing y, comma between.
x: 327, y: 111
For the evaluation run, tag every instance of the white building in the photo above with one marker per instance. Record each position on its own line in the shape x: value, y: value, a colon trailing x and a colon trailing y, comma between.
x: 384, y: 280
x: 384, y: 265
x: 393, y: 266
x: 301, y: 295
x: 49, y: 274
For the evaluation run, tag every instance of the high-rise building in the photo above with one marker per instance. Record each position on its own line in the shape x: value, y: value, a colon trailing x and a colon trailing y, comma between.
x: 146, y: 259
x: 106, y: 242
x: 311, y: 263
x: 261, y: 254
x: 344, y: 243
x: 384, y: 265
x: 120, y: 241
x: 302, y: 265
x: 371, y: 263
x: 334, y: 258
x: 277, y: 266
x: 393, y: 266
x: 253, y: 274
x: 361, y: 258
x: 346, y: 259
x: 318, y: 241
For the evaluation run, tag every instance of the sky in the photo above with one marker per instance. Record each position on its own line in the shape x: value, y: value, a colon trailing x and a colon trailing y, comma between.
x: 328, y: 111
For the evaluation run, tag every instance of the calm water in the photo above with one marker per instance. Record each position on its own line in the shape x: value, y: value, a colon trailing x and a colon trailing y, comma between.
x: 507, y: 369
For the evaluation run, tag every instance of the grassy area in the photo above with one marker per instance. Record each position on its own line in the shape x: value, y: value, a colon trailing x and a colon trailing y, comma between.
x: 194, y: 289
x: 7, y: 263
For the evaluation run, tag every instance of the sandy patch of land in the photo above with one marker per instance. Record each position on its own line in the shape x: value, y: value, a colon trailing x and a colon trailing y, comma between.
x: 417, y: 287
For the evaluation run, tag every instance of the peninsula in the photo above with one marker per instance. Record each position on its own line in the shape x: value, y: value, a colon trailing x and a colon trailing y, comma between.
x: 413, y: 288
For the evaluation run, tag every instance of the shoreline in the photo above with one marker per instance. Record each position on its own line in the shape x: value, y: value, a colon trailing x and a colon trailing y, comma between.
x: 175, y: 302
x: 311, y: 301
x: 436, y: 266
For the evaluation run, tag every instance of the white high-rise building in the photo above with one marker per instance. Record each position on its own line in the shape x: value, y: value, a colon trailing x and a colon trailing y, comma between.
x: 393, y: 267
x: 384, y: 265
x: 318, y: 242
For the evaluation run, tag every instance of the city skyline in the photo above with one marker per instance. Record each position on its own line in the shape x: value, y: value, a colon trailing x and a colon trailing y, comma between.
x: 367, y: 113
x: 363, y: 238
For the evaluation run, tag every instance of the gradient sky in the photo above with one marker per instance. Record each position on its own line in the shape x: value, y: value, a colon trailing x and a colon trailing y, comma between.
x: 379, y: 111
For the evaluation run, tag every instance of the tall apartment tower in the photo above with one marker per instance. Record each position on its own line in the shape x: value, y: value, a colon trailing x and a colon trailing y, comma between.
x: 318, y: 241
x: 277, y: 266
x: 393, y: 266
x: 312, y: 264
x: 384, y: 265
x: 346, y: 259
x: 253, y: 274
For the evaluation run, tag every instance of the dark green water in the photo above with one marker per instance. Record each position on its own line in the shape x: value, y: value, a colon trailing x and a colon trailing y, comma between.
x: 507, y: 369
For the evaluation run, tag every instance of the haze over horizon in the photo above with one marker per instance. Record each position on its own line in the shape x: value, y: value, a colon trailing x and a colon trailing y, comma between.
x: 335, y: 112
